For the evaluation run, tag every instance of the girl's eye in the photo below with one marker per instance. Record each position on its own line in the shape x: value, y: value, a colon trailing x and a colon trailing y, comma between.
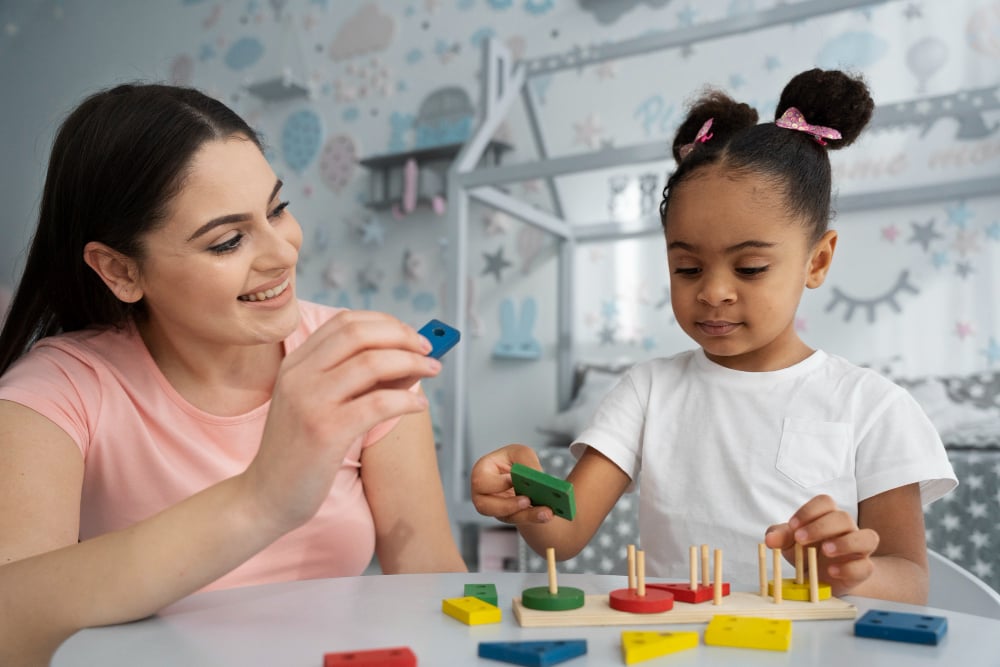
x: 278, y: 210
x: 228, y: 245
x: 686, y: 271
x: 751, y: 270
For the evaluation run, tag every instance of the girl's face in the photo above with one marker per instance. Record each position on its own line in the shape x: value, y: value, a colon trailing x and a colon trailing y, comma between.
x: 221, y: 269
x: 738, y: 265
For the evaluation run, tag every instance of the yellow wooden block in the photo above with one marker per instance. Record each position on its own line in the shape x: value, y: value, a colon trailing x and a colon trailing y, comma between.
x: 749, y: 632
x: 471, y: 610
x: 638, y: 646
x: 793, y: 591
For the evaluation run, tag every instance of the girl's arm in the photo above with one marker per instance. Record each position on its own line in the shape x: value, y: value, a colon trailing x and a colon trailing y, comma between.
x: 403, y: 486
x: 884, y: 556
x: 597, y: 485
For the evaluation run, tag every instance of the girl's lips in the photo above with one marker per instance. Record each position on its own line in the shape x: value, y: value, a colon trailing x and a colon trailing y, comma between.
x: 717, y: 328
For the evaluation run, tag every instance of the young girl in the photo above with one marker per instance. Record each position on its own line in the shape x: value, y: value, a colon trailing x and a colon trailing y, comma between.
x: 172, y: 418
x: 754, y: 427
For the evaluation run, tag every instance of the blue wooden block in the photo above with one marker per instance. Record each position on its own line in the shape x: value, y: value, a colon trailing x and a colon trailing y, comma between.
x: 441, y: 336
x: 901, y: 627
x: 533, y: 654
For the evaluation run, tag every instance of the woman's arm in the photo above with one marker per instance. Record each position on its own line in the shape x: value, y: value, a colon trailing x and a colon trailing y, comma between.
x: 330, y: 391
x: 403, y: 486
x: 51, y: 586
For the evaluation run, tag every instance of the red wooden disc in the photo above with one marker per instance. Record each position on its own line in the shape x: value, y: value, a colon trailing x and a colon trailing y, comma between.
x: 627, y: 599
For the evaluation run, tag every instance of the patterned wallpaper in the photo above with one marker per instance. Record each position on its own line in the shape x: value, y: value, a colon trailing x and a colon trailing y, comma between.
x: 331, y: 82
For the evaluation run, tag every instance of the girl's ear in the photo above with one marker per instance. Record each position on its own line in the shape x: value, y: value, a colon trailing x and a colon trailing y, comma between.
x: 119, y: 272
x: 820, y: 259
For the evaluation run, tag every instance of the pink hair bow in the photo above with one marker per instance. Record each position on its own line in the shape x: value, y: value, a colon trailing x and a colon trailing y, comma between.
x: 793, y: 119
x: 700, y: 138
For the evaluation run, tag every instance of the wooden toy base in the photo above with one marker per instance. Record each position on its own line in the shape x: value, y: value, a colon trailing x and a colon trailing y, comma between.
x: 597, y: 611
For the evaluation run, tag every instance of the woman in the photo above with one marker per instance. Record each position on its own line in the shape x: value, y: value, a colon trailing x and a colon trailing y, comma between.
x: 172, y: 418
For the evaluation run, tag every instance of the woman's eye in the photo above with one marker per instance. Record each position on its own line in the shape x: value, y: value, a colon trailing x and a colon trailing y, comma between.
x: 278, y: 210
x: 751, y: 270
x: 228, y: 245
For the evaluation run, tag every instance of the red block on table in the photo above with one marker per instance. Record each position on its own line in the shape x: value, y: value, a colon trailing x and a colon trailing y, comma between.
x: 683, y: 592
x: 628, y: 599
x: 399, y: 656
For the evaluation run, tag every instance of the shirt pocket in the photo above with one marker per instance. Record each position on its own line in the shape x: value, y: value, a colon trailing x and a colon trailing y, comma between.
x: 814, y: 452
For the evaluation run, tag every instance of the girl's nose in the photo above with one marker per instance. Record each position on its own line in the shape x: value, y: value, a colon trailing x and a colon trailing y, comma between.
x: 716, y: 291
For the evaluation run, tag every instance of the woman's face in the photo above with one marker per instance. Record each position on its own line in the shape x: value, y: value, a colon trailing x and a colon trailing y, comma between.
x: 221, y: 268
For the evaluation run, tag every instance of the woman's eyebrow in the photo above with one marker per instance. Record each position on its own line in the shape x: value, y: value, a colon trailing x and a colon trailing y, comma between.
x: 230, y: 218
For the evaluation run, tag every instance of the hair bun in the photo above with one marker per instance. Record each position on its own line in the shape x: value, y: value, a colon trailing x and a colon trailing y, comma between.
x: 831, y: 98
x: 728, y: 117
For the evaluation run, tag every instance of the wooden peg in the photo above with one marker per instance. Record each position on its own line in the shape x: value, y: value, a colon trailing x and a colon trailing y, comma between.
x: 640, y: 566
x: 762, y: 568
x: 717, y: 579
x: 693, y: 557
x: 704, y: 565
x: 777, y: 576
x: 550, y: 556
x: 799, y: 575
x: 813, y: 576
x: 631, y: 565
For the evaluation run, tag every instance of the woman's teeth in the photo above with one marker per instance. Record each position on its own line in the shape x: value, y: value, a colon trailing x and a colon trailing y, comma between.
x: 266, y: 294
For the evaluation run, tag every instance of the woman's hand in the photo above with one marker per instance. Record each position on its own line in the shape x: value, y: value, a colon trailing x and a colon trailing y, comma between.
x: 844, y: 551
x: 351, y: 374
x: 493, y: 491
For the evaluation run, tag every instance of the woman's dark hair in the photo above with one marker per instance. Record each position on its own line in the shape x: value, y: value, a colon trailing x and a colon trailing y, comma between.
x: 117, y: 161
x: 794, y: 161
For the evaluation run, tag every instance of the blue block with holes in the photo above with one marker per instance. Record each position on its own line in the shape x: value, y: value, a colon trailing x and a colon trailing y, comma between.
x: 533, y: 654
x: 441, y: 336
x: 901, y: 627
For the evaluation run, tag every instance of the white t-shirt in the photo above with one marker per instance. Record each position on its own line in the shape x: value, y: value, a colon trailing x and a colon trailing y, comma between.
x: 719, y: 455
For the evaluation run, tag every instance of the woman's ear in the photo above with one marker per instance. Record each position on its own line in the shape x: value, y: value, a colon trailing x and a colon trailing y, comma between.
x: 119, y: 272
x: 820, y: 259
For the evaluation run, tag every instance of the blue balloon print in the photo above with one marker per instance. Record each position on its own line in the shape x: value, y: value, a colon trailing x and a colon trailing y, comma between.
x: 424, y: 302
x: 244, y: 52
x: 414, y: 56
x: 481, y: 35
x: 852, y: 49
x: 538, y: 7
x: 350, y: 113
x: 500, y: 4
x: 300, y: 139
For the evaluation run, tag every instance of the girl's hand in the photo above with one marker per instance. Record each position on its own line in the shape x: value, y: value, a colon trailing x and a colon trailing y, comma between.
x: 351, y: 374
x: 843, y: 550
x: 493, y: 491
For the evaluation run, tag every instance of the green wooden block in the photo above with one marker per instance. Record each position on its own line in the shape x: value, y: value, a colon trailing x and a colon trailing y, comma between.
x: 485, y: 592
x: 544, y: 489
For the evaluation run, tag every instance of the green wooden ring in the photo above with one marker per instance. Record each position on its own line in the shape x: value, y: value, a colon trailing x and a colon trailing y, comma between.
x: 540, y: 598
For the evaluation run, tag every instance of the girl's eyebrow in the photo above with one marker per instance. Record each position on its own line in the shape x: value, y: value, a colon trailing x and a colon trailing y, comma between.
x: 230, y: 218
x: 681, y: 245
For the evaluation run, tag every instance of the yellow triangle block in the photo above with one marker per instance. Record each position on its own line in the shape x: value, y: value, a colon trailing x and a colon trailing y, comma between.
x: 471, y: 610
x: 638, y: 646
x: 749, y: 632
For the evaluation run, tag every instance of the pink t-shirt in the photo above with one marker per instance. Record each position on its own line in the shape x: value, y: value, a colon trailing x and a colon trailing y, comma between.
x: 146, y: 448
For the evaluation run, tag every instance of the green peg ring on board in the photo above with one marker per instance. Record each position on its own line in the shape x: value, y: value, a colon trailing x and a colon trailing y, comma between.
x: 564, y: 599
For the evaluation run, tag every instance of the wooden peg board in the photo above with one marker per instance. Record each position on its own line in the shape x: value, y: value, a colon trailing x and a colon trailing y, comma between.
x: 597, y: 611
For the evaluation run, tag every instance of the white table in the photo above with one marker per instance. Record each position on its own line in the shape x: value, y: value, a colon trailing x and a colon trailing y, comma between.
x: 294, y: 624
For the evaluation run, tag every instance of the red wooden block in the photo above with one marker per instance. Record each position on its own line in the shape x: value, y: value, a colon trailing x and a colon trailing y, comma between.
x: 628, y: 599
x: 683, y: 592
x: 399, y: 656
